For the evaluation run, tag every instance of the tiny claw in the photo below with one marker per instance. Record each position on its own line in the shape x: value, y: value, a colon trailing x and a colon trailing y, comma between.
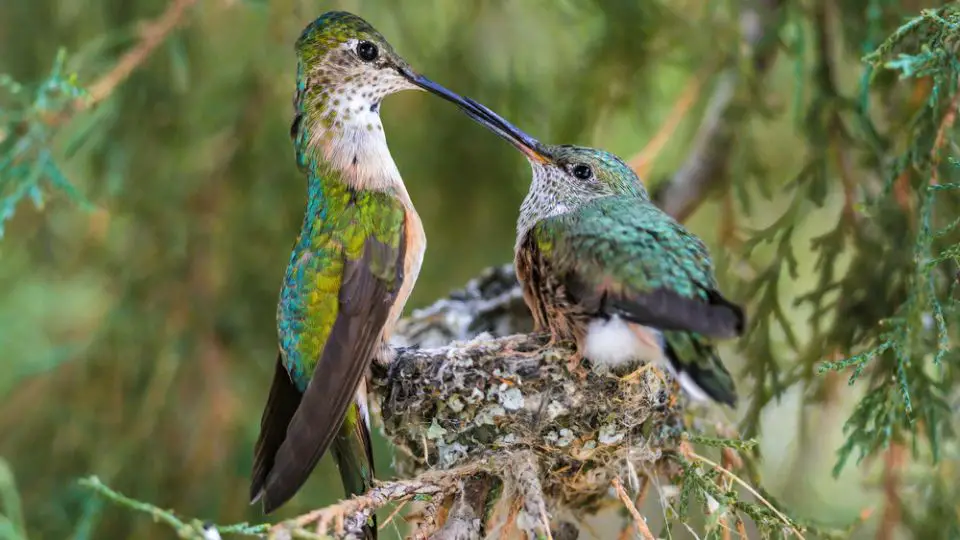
x: 575, y: 366
x: 636, y: 374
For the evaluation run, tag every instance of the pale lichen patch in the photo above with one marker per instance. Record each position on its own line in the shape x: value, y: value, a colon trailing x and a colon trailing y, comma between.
x: 512, y: 399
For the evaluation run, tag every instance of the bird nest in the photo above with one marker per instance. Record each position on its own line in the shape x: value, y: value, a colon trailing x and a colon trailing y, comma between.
x: 490, y: 400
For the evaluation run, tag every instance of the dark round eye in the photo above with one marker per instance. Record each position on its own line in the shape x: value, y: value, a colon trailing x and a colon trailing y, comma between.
x: 582, y: 171
x: 367, y: 51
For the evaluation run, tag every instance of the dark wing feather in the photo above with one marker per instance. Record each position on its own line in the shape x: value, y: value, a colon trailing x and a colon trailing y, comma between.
x: 712, y: 316
x: 623, y: 256
x: 282, y: 403
x: 365, y: 301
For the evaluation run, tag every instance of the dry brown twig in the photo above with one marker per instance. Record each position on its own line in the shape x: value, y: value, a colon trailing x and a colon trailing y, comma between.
x: 639, y: 522
x: 643, y: 161
x: 892, y: 508
x: 707, y: 163
x: 949, y: 118
x: 358, y: 509
x: 152, y: 34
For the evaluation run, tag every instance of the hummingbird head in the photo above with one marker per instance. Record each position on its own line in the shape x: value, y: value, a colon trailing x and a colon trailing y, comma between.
x: 565, y: 177
x: 345, y: 68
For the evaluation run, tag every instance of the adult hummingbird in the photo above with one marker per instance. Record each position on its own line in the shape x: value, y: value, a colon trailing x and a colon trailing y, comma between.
x: 353, y: 265
x: 602, y: 266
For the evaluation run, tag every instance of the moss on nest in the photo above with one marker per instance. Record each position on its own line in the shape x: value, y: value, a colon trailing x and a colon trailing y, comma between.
x: 491, y: 398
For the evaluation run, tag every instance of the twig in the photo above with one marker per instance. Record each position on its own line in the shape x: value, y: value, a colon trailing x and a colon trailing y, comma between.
x: 747, y: 487
x: 941, y: 139
x: 637, y: 502
x: 638, y: 520
x: 642, y: 162
x: 741, y: 529
x: 393, y: 515
x: 152, y: 34
x: 427, y: 521
x: 892, y: 463
x: 185, y: 529
x: 430, y: 484
x: 533, y: 516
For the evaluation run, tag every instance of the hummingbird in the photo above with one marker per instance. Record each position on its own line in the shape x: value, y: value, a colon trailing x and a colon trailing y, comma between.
x: 600, y: 265
x: 352, y: 267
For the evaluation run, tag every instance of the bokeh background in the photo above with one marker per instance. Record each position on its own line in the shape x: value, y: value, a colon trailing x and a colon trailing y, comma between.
x: 137, y: 333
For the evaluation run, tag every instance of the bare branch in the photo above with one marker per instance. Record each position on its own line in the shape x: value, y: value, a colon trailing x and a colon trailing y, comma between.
x: 638, y: 521
x: 707, y: 164
x: 347, y: 517
x: 533, y: 517
x: 152, y: 34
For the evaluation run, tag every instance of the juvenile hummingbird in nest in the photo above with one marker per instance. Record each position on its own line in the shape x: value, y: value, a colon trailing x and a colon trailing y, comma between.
x: 353, y: 265
x: 602, y: 266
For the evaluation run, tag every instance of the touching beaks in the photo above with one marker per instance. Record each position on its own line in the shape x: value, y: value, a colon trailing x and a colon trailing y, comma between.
x: 532, y: 148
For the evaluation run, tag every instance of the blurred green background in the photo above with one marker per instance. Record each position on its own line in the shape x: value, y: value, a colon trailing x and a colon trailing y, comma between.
x: 137, y: 338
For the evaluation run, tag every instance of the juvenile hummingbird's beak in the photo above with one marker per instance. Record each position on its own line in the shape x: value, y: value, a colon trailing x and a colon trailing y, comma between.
x: 532, y: 148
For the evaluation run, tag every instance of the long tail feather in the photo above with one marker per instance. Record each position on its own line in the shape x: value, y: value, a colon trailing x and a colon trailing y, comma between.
x: 282, y: 403
x: 353, y: 453
x: 698, y: 368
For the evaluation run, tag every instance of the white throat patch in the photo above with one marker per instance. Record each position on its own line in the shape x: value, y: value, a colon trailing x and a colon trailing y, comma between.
x: 350, y: 136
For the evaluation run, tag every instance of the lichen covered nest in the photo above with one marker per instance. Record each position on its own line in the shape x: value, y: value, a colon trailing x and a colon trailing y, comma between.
x: 491, y: 398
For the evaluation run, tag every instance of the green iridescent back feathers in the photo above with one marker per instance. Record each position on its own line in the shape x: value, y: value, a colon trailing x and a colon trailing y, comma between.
x: 630, y: 241
x: 621, y: 255
x: 336, y: 227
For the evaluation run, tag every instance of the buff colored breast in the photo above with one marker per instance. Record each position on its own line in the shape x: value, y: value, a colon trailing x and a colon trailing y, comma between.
x: 412, y: 261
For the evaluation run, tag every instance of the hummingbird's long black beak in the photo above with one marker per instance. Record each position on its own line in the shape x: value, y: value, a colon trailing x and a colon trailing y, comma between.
x: 532, y: 148
x: 432, y: 87
x: 483, y: 115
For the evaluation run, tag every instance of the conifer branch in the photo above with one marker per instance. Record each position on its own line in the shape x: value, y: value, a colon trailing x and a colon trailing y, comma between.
x: 28, y: 133
x: 503, y: 414
x: 184, y: 527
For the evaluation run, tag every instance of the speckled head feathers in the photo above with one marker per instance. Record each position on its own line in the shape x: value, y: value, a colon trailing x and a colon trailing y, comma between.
x: 345, y: 68
x: 335, y: 29
x: 578, y: 172
x: 589, y: 170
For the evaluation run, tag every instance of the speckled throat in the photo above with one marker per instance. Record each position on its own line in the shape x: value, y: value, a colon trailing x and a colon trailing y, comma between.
x: 337, y: 121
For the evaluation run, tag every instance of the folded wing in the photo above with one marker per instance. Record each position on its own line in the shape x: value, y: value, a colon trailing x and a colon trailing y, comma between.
x: 368, y: 289
x: 623, y: 256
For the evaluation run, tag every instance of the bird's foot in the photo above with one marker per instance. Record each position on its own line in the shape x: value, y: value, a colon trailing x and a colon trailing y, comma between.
x: 533, y: 353
x: 638, y: 373
x: 575, y: 365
